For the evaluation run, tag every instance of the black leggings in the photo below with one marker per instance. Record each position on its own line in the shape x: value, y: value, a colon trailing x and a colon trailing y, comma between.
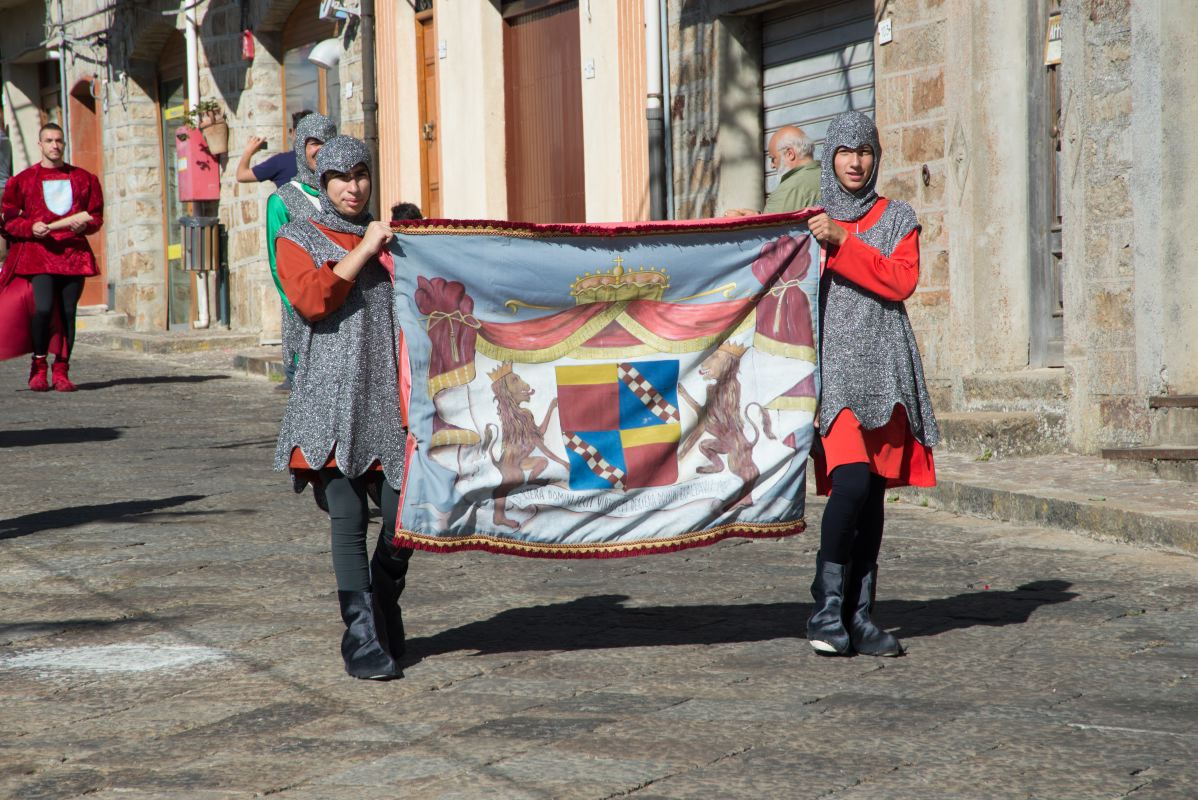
x: 852, y: 526
x: 350, y: 517
x: 46, y: 289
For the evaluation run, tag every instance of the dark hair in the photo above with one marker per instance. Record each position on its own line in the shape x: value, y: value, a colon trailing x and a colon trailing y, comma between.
x: 49, y: 126
x: 401, y: 211
x: 297, y: 116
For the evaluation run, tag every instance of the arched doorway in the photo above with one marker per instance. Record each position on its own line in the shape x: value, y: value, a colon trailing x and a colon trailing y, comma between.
x: 87, y: 152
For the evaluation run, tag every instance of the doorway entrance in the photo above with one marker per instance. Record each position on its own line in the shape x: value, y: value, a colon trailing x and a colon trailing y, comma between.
x: 87, y: 152
x: 426, y: 82
x: 542, y: 73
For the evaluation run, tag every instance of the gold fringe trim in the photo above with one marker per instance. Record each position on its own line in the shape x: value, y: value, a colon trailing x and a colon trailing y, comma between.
x: 572, y: 346
x: 453, y: 438
x: 676, y: 347
x: 784, y: 403
x: 530, y: 233
x: 613, y: 353
x: 458, y: 376
x: 559, y: 350
x: 776, y: 348
x: 687, y: 539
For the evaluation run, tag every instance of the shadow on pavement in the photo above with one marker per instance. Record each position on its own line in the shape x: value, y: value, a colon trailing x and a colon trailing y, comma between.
x: 57, y: 436
x: 77, y: 625
x: 149, y: 379
x: 602, y: 621
x: 126, y: 511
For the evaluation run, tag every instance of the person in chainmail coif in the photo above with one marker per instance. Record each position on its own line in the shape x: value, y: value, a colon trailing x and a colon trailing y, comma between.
x: 343, y: 424
x: 297, y: 199
x: 875, y: 420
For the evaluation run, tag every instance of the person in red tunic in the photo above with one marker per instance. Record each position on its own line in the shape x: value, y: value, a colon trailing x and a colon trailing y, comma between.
x: 48, y: 211
x: 876, y: 423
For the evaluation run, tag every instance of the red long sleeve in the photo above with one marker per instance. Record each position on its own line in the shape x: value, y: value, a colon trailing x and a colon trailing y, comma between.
x: 16, y: 225
x: 95, y: 205
x: 314, y: 293
x: 892, y: 277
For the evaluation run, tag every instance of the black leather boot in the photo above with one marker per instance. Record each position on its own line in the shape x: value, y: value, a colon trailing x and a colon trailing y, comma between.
x: 388, y: 575
x: 825, y: 628
x: 364, y: 644
x: 867, y: 638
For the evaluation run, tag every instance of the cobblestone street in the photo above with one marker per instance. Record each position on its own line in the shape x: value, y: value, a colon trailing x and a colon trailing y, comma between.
x: 169, y: 629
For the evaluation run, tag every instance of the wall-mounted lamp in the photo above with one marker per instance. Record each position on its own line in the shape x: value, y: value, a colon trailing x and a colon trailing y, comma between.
x: 336, y: 9
x: 326, y: 53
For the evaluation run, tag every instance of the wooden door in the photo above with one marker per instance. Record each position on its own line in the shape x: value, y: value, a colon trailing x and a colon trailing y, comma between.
x: 543, y: 78
x: 87, y: 151
x: 430, y: 134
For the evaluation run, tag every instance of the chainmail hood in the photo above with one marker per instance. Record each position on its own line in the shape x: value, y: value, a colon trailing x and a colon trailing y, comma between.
x: 849, y: 130
x: 313, y: 126
x: 341, y: 154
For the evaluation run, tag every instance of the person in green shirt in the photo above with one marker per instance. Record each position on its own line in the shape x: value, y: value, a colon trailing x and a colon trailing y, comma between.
x: 297, y: 199
x: 791, y: 154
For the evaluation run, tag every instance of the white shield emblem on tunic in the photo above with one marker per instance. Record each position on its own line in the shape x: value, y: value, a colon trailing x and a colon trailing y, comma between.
x: 58, y: 196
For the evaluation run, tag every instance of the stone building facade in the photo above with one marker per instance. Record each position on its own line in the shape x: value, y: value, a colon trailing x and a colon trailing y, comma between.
x: 1058, y: 281
x: 1044, y: 145
x: 120, y: 61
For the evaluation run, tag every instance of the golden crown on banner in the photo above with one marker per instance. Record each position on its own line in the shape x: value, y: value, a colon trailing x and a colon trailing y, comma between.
x: 735, y: 349
x: 500, y: 372
x: 620, y: 284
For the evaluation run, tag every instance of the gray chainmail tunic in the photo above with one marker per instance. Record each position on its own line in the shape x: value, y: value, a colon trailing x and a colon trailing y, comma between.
x: 301, y: 205
x: 345, y: 400
x: 869, y: 359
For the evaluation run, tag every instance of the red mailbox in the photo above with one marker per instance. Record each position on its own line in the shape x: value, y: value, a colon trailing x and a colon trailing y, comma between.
x: 197, y: 168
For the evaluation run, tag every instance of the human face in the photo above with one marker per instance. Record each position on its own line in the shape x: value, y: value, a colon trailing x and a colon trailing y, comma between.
x: 52, y: 145
x: 853, y: 167
x: 781, y: 157
x: 349, y: 192
x: 311, y: 148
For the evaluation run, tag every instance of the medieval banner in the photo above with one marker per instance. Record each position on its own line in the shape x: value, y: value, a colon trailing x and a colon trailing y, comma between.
x: 583, y: 391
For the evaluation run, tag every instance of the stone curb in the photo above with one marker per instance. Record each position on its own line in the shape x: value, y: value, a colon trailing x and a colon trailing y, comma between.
x: 1056, y: 508
x: 260, y: 364
x: 162, y: 344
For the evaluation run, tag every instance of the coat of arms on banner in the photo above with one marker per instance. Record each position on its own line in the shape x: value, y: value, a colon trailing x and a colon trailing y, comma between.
x: 620, y: 423
x: 606, y: 393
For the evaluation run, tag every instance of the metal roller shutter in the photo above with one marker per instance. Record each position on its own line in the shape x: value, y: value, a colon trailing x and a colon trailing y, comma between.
x: 817, y: 61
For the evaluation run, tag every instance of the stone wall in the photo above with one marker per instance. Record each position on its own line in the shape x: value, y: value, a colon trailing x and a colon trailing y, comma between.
x: 912, y: 122
x: 250, y: 94
x: 717, y: 151
x: 694, y: 107
x: 1109, y: 407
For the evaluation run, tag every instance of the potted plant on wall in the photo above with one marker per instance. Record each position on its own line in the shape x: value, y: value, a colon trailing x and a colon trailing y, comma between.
x: 209, y: 117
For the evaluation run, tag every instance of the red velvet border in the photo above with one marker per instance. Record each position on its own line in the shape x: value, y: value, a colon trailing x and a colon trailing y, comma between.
x: 400, y: 540
x: 498, y: 226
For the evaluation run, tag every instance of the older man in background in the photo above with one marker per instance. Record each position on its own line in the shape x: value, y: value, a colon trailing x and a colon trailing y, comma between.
x: 791, y: 155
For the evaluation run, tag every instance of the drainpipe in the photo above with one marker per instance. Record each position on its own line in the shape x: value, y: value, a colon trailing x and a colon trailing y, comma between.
x: 370, y: 106
x: 193, y: 101
x: 60, y: 55
x: 654, y: 111
x: 668, y: 144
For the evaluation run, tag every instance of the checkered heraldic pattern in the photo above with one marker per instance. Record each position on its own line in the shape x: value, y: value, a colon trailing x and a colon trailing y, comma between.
x: 598, y: 464
x: 654, y: 401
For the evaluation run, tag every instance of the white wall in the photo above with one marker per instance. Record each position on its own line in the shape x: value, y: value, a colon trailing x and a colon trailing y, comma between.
x: 599, y: 39
x: 470, y: 84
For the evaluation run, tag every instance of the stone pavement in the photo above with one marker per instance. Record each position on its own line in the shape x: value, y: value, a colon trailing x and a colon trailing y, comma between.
x: 169, y: 629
